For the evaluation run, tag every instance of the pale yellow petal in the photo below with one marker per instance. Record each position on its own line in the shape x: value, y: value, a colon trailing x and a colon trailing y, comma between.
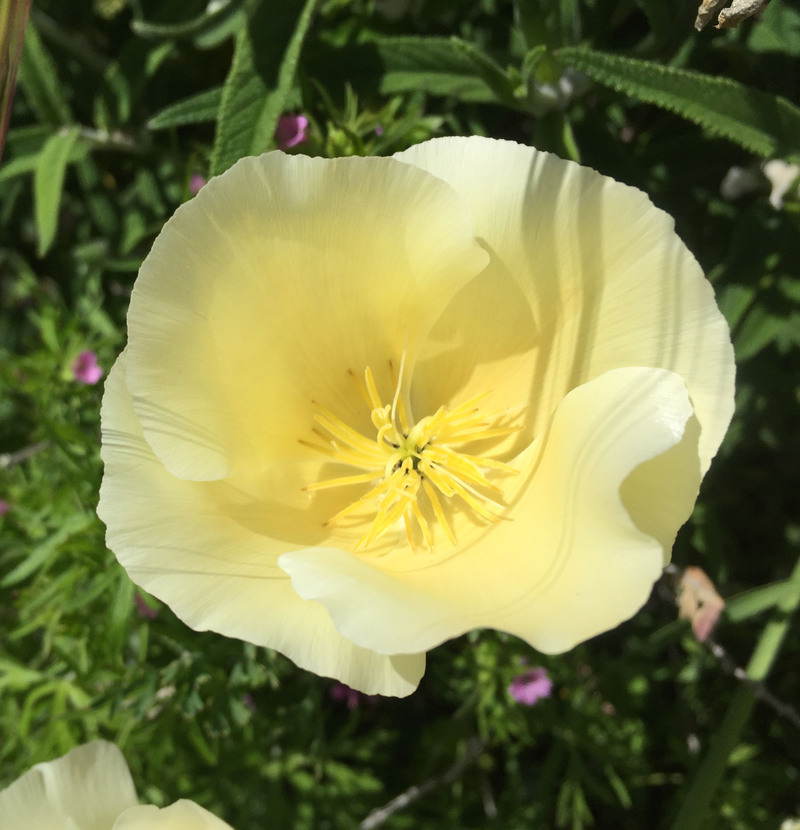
x: 265, y: 289
x: 86, y: 788
x: 182, y: 815
x: 568, y: 561
x: 210, y: 552
x: 590, y: 276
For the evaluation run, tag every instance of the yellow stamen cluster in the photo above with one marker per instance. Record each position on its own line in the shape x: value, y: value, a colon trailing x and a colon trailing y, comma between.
x: 406, y: 461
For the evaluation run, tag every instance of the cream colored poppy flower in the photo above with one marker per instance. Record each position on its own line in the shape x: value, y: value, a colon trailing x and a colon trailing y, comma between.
x: 90, y: 788
x: 369, y: 404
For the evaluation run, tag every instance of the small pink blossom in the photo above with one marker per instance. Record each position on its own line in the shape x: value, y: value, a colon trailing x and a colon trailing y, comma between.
x: 85, y: 369
x: 291, y: 130
x: 530, y: 686
x: 4, y: 507
x: 195, y: 183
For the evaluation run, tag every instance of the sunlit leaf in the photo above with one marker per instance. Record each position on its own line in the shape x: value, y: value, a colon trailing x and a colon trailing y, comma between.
x: 765, y: 124
x: 255, y: 91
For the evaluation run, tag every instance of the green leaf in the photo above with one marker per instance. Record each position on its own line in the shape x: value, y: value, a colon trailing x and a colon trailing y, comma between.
x: 490, y: 72
x: 439, y: 66
x: 227, y: 18
x: 752, y: 602
x: 198, y: 109
x: 757, y: 330
x: 390, y: 65
x: 40, y: 554
x: 120, y: 614
x: 778, y: 30
x: 48, y: 181
x: 259, y: 81
x: 768, y: 125
x: 660, y: 16
x: 23, y: 164
x: 15, y: 676
x: 39, y: 81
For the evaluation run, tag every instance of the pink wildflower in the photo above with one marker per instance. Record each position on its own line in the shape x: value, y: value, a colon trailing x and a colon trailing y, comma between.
x: 291, y: 130
x: 85, y: 368
x: 530, y: 686
x: 195, y: 183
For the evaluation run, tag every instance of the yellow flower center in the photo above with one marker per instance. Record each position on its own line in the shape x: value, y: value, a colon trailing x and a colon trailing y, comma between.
x: 419, y: 471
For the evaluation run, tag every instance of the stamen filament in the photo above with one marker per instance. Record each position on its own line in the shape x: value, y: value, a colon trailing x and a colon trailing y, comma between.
x: 410, y: 467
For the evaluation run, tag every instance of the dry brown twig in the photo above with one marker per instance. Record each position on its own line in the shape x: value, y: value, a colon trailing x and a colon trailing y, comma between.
x: 730, y: 17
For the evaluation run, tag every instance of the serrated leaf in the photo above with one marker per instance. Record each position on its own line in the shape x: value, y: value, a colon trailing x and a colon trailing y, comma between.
x: 198, y: 109
x: 439, y: 66
x: 756, y: 600
x: 254, y: 94
x: 767, y: 125
x: 39, y: 81
x: 48, y: 181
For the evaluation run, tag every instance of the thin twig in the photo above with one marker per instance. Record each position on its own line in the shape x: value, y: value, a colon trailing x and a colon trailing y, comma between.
x: 378, y: 816
x: 758, y: 689
x: 9, y: 459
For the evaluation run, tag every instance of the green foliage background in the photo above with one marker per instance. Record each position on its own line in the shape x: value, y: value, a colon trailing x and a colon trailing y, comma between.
x: 118, y: 105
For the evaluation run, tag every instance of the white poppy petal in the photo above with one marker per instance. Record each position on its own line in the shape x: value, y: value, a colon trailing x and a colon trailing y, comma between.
x: 568, y: 561
x: 87, y: 788
x: 369, y: 404
x: 182, y: 815
x: 240, y: 315
x: 606, y: 281
x: 185, y: 543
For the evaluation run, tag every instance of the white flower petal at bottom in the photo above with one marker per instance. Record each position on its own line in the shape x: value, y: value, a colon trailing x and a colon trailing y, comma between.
x: 182, y: 815
x: 87, y: 788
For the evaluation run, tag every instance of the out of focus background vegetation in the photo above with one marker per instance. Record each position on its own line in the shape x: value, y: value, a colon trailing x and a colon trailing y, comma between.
x: 120, y: 106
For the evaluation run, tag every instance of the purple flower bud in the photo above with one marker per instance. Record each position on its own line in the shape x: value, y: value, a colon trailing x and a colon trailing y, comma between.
x: 291, y: 130
x: 85, y: 369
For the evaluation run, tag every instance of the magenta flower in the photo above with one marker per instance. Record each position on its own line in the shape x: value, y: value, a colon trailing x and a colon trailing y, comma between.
x: 530, y: 686
x: 291, y: 130
x: 85, y: 369
x: 195, y: 183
